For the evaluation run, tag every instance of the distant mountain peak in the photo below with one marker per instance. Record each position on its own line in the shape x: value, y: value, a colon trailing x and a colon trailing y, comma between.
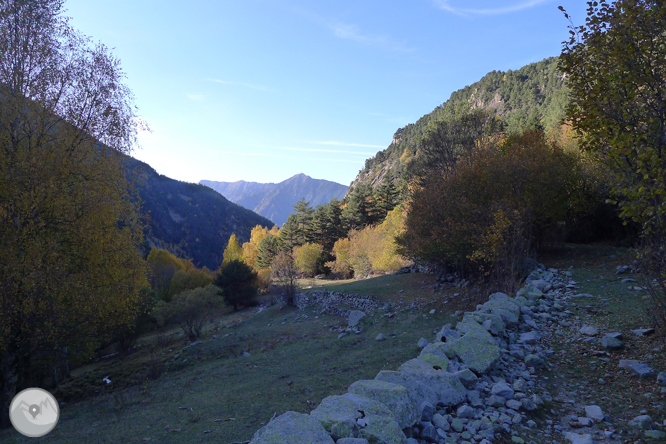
x: 276, y: 201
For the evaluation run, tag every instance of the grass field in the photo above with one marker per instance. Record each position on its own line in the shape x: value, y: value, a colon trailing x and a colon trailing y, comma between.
x: 211, y: 393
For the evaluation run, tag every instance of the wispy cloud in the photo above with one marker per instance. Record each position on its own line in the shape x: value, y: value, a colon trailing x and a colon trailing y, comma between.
x: 243, y: 84
x: 446, y: 6
x: 352, y: 32
x: 196, y: 97
x: 336, y: 143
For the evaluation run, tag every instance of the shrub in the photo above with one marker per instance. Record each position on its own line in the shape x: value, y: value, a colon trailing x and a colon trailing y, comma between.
x: 500, y: 200
x: 307, y: 258
x: 372, y: 249
x: 190, y: 309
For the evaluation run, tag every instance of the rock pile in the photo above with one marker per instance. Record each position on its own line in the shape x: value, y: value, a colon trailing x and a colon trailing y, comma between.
x: 475, y: 383
x: 330, y: 302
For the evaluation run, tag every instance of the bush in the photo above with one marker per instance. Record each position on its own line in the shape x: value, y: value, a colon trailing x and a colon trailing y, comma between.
x: 499, y: 201
x: 190, y: 309
x: 238, y: 282
x: 307, y: 258
x: 372, y: 249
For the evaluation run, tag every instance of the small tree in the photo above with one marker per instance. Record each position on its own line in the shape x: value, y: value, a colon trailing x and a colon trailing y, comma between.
x: 285, y: 274
x: 307, y: 258
x: 191, y: 309
x: 233, y: 251
x: 238, y: 282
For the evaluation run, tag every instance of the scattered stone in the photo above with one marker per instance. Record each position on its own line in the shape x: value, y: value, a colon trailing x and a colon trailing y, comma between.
x: 588, y: 330
x: 355, y: 317
x: 530, y: 337
x: 502, y: 389
x: 594, y: 412
x: 514, y: 404
x: 642, y: 370
x: 622, y: 269
x: 643, y: 331
x: 292, y: 427
x: 625, y: 363
x: 465, y: 411
x: 575, y: 438
x: 429, y: 433
x: 611, y: 343
x: 584, y: 422
x: 661, y: 378
x: 534, y: 361
x: 380, y: 337
x: 643, y: 422
x: 423, y: 342
x: 440, y: 422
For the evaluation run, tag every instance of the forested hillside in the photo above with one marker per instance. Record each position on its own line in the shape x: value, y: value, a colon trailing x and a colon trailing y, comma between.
x: 276, y: 200
x: 533, y: 96
x: 191, y: 220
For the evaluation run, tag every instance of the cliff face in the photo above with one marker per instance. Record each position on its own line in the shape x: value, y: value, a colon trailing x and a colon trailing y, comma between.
x: 534, y: 94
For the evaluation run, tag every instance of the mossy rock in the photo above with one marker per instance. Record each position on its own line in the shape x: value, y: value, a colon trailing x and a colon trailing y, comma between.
x: 292, y: 427
x: 394, y: 396
x: 380, y: 424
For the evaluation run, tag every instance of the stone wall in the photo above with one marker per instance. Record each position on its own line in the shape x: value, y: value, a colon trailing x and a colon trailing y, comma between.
x: 473, y: 382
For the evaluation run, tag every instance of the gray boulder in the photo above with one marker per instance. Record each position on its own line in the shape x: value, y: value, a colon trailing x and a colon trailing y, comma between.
x: 643, y: 422
x: 588, y: 330
x: 394, y: 396
x: 477, y: 348
x: 448, y: 388
x: 594, y: 413
x: 642, y: 370
x: 355, y: 317
x: 534, y: 361
x: 446, y: 334
x: 531, y: 337
x: 503, y: 306
x: 422, y: 342
x: 379, y: 424
x: 502, y: 389
x: 352, y: 441
x: 575, y: 438
x: 419, y: 390
x: 292, y: 427
x: 611, y: 343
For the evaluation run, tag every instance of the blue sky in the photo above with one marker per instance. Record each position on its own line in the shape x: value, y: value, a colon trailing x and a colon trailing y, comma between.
x: 260, y: 90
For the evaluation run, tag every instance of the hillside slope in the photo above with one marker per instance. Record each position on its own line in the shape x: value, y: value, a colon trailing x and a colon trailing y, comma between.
x: 533, y: 95
x: 191, y: 220
x: 276, y: 201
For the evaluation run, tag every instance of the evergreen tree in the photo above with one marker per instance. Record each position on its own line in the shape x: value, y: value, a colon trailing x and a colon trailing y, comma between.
x: 386, y: 198
x: 304, y: 216
x: 238, y: 283
x: 268, y: 249
x: 288, y: 234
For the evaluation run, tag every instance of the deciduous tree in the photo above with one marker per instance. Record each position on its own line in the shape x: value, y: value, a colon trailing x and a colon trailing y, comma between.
x: 70, y: 270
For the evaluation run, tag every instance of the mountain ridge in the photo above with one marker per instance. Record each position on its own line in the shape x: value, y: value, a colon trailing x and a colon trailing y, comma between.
x: 276, y: 200
x: 190, y: 220
x: 534, y: 95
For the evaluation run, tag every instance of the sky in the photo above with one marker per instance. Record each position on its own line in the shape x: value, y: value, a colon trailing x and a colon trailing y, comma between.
x: 261, y: 90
